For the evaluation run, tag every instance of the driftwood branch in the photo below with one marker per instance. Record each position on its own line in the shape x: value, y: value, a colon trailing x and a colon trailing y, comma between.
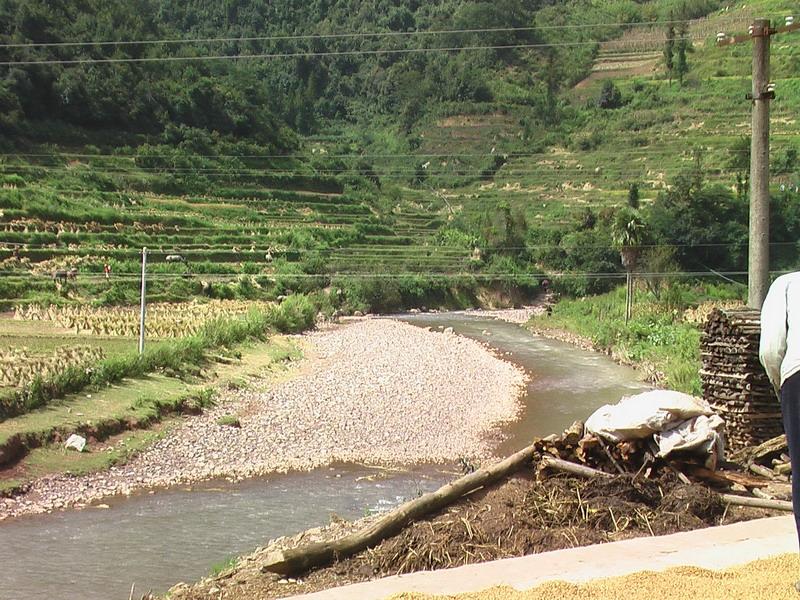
x: 300, y: 560
x: 557, y: 464
x: 756, y: 502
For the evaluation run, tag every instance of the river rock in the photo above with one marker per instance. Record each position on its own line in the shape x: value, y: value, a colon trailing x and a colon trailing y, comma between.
x: 75, y: 442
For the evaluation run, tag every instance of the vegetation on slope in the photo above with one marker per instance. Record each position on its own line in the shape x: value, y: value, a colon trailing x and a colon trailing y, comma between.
x: 293, y: 315
x: 663, y: 336
x: 441, y: 170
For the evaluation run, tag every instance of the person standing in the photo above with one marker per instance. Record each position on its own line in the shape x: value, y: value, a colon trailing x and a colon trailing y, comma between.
x: 779, y: 352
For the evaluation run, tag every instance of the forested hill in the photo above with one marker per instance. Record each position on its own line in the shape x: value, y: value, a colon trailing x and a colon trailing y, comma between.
x: 347, y: 76
x: 397, y: 153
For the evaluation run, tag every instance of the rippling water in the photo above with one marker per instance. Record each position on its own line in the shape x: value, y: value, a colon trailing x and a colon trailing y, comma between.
x: 156, y: 540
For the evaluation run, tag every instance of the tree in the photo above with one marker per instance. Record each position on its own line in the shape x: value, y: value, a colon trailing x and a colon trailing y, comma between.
x: 610, y: 96
x: 628, y: 234
x: 681, y: 65
x: 706, y: 224
x: 633, y: 196
x: 669, y: 51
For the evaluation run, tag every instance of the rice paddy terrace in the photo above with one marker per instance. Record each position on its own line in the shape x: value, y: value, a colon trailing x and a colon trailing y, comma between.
x: 265, y: 218
x: 86, y: 212
x: 661, y: 129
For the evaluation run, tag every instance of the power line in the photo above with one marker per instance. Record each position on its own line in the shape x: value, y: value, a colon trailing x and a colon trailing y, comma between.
x: 367, y: 275
x: 351, y: 35
x: 306, y: 54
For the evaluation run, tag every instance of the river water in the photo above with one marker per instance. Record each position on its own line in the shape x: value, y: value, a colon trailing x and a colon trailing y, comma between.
x: 158, y: 539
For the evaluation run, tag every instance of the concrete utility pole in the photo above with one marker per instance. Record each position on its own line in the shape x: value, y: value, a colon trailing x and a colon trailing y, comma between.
x: 143, y: 305
x: 758, y: 257
x: 759, y: 33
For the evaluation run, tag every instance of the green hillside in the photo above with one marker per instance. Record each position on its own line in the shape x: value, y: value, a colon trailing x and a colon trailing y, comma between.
x: 399, y: 168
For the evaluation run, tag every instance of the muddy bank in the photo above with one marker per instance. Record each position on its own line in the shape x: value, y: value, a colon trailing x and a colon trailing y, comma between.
x: 375, y: 391
x: 520, y: 516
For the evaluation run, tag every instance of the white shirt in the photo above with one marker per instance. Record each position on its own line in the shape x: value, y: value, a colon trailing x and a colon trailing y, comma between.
x: 779, y: 350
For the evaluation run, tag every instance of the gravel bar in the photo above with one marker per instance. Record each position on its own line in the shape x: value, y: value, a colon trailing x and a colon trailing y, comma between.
x: 374, y: 391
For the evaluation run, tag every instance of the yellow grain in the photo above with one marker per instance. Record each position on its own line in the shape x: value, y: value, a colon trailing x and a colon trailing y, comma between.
x: 768, y: 579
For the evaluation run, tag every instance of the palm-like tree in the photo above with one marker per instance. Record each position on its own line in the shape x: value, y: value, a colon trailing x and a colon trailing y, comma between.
x: 628, y: 234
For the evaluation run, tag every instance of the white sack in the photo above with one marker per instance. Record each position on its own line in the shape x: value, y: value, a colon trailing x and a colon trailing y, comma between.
x: 642, y: 415
x: 702, y: 434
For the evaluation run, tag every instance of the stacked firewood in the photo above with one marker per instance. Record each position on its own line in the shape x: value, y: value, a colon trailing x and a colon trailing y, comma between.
x: 770, y: 459
x: 734, y: 382
x: 579, y: 446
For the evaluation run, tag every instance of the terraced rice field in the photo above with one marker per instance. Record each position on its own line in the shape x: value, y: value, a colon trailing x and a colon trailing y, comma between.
x: 661, y: 131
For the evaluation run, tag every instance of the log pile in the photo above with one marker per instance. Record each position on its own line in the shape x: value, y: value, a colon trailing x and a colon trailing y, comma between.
x: 769, y: 460
x: 734, y: 382
x: 578, y: 446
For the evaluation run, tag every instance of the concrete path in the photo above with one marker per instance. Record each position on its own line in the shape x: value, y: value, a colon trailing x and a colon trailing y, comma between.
x: 712, y: 548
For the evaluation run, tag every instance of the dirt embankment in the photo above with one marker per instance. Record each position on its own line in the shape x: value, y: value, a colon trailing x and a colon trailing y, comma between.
x: 522, y: 515
x: 376, y: 391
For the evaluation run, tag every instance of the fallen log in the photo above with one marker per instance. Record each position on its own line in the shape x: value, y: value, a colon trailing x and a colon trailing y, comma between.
x: 726, y: 477
x: 300, y: 560
x: 756, y: 502
x: 773, y: 446
x: 763, y: 471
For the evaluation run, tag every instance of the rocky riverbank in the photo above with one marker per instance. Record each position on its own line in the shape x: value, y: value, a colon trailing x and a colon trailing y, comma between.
x: 375, y: 391
x: 518, y: 316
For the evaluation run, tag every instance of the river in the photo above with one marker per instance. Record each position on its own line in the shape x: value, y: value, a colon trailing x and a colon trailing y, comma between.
x: 158, y: 539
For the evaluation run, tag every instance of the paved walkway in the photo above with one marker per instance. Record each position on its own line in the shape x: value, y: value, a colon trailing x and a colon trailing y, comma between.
x: 712, y: 548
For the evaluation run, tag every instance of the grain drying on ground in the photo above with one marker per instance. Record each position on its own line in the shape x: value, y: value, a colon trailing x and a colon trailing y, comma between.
x: 768, y: 579
x: 375, y: 391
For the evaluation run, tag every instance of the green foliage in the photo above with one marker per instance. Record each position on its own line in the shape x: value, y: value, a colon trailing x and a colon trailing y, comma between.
x: 633, y: 196
x: 683, y: 45
x: 669, y: 49
x: 656, y: 339
x: 610, y: 96
x: 707, y: 224
x: 229, y: 421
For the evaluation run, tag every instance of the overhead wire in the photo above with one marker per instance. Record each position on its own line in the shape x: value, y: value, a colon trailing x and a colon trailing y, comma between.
x: 350, y: 35
x: 307, y: 54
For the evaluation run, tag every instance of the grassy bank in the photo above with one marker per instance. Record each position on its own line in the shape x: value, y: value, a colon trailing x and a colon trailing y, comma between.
x: 660, y: 339
x: 294, y: 314
x: 121, y: 419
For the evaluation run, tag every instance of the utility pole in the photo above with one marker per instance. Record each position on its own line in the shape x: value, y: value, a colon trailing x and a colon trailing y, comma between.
x: 143, y: 305
x: 758, y: 255
x: 763, y: 91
